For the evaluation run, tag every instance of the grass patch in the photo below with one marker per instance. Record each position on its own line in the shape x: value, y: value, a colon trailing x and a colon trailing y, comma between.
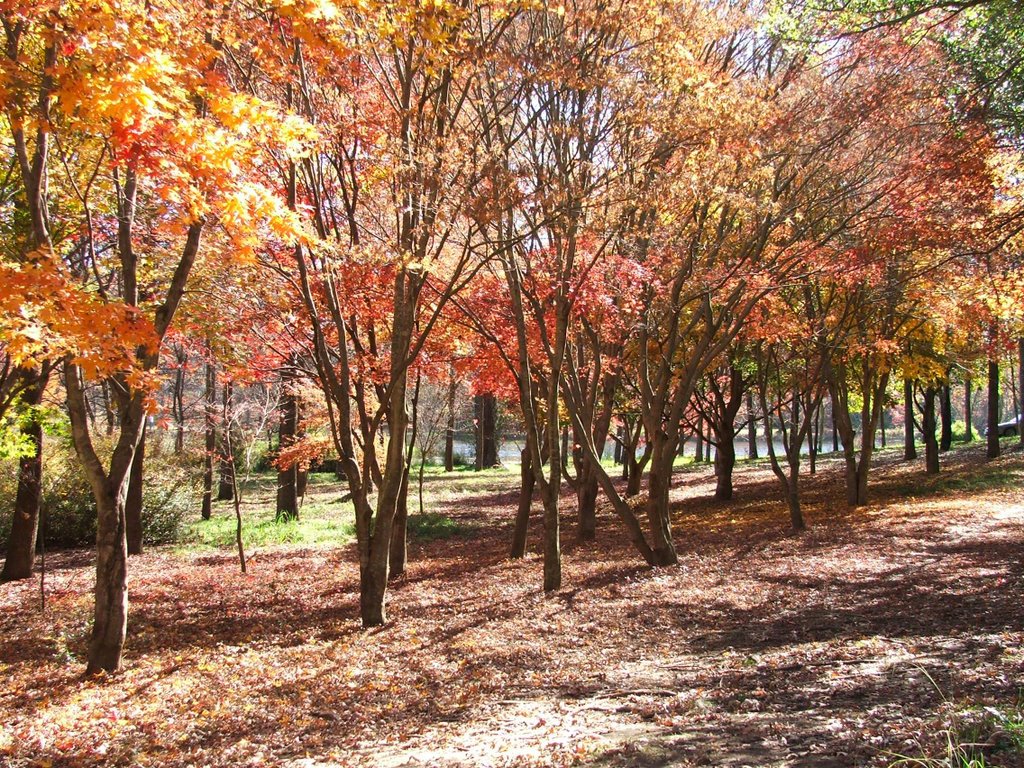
x: 431, y: 526
x: 219, y: 532
x: 985, y: 477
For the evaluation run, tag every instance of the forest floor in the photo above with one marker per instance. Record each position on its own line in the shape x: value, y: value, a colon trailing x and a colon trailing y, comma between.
x: 892, y: 630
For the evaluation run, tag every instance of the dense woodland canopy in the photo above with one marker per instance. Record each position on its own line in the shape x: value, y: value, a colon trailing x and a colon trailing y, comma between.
x: 613, y: 226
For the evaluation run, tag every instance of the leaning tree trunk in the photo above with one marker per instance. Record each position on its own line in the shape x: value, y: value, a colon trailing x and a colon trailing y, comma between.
x: 931, y: 445
x: 993, y: 409
x: 21, y: 542
x: 909, y: 446
x: 133, y: 499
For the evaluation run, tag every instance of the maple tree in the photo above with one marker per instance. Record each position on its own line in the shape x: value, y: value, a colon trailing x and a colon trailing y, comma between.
x: 628, y: 218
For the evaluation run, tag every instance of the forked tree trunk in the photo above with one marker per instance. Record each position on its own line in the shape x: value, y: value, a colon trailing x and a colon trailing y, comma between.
x: 993, y: 409
x: 21, y: 542
x: 133, y: 499
x: 909, y: 445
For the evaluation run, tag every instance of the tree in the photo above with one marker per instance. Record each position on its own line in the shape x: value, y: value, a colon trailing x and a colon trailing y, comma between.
x: 151, y: 154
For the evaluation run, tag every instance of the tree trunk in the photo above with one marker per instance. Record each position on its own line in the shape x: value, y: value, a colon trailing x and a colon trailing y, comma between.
x: 1020, y: 378
x: 449, y: 433
x: 400, y: 533
x: 812, y: 453
x: 486, y: 424
x: 225, y: 488
x: 552, y: 544
x: 288, y: 427
x: 111, y: 611
x: 178, y: 399
x: 946, y: 419
x: 586, y: 499
x: 21, y: 542
x: 522, y: 524
x: 634, y: 478
x: 751, y: 428
x: 210, y: 428
x: 133, y: 499
x: 490, y: 430
x: 832, y: 418
x: 108, y: 407
x: 796, y: 515
x: 968, y: 416
x: 725, y: 461
x: 931, y: 445
x: 993, y: 409
x: 909, y: 446
x: 617, y: 450
x: 658, y: 485
x: 373, y: 580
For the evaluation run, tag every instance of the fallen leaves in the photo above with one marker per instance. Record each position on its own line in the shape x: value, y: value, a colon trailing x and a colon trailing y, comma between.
x: 761, y: 647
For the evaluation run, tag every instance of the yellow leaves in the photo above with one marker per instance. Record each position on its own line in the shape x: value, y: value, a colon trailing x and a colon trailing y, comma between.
x: 45, y: 314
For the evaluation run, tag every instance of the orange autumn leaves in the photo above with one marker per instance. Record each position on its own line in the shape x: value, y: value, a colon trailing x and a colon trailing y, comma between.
x: 122, y: 94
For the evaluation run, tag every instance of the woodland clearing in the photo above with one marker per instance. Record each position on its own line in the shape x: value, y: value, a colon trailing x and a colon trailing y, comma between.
x: 883, y: 631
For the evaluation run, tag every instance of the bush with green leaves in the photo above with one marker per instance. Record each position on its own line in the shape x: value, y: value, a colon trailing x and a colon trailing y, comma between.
x: 68, y: 519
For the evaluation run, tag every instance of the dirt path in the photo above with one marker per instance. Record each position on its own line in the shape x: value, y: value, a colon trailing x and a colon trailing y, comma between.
x: 857, y: 641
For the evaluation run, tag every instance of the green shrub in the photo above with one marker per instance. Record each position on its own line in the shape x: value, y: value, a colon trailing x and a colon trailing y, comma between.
x: 69, y: 511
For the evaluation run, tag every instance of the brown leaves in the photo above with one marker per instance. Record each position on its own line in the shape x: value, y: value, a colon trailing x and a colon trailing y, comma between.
x: 758, y: 643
